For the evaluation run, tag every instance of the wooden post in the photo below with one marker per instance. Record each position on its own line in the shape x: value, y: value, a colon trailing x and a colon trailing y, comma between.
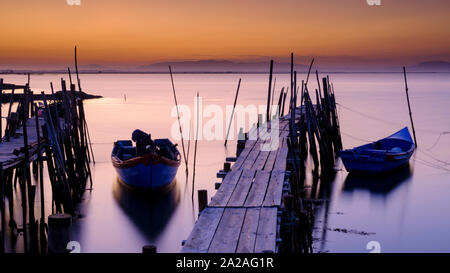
x: 41, y: 167
x: 273, y: 94
x: 2, y: 208
x: 284, y: 100
x: 70, y: 76
x: 292, y: 75
x: 1, y: 102
x: 59, y: 232
x: 76, y: 69
x: 31, y: 104
x: 409, y: 107
x: 23, y: 194
x: 318, y: 83
x: 8, y: 119
x: 232, y: 113
x: 280, y: 99
x: 27, y: 166
x: 269, y: 91
x: 195, y: 148
x: 179, y: 122
x: 309, y: 71
x: 259, y: 124
x: 149, y: 249
x: 202, y: 200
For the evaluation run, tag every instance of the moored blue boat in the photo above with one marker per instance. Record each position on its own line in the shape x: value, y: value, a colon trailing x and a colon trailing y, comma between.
x: 148, y: 165
x: 380, y: 156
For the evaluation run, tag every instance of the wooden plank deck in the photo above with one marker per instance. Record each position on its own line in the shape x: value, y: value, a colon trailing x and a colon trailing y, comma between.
x: 7, y: 158
x: 242, y: 215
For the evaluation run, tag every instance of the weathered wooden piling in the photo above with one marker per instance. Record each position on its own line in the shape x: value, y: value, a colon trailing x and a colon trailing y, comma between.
x: 149, y: 249
x: 202, y: 199
x: 2, y: 209
x: 59, y: 232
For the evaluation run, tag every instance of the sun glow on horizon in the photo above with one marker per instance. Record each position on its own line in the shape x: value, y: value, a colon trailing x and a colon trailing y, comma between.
x: 142, y: 32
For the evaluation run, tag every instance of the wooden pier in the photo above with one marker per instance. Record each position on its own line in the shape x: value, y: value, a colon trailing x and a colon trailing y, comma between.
x: 58, y: 129
x: 243, y: 216
x: 258, y: 206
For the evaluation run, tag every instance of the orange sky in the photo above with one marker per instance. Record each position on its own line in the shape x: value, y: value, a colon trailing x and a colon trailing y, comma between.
x: 43, y: 32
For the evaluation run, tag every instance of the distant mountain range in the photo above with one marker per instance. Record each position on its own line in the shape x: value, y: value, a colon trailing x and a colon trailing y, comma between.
x: 227, y: 66
x: 220, y: 66
x: 431, y: 66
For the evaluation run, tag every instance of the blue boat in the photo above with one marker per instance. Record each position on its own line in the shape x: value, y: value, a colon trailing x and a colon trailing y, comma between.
x: 148, y: 165
x: 380, y: 156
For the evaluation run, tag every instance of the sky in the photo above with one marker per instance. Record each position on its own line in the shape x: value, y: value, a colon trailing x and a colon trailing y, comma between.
x: 43, y: 33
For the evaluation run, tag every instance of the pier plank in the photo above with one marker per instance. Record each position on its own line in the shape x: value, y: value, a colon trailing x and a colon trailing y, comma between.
x: 204, y: 230
x: 260, y: 160
x: 247, y: 202
x: 7, y: 157
x: 272, y: 156
x: 220, y: 199
x: 241, y: 190
x: 227, y: 234
x: 275, y: 189
x: 280, y: 161
x: 258, y: 190
x: 250, y: 160
x: 247, y: 238
x: 244, y: 154
x: 267, y: 230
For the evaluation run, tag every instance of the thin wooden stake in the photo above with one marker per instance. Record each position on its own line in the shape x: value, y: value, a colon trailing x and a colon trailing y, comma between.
x: 41, y: 174
x: 1, y: 102
x: 232, y: 113
x: 318, y: 83
x: 273, y: 93
x: 409, y: 107
x: 178, y: 115
x: 269, y: 91
x: 2, y: 204
x: 280, y: 99
x: 76, y: 69
x: 195, y: 149
x: 309, y: 71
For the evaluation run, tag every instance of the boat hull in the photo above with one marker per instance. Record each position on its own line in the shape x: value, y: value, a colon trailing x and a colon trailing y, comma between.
x: 381, y: 156
x: 372, y: 165
x: 147, y: 176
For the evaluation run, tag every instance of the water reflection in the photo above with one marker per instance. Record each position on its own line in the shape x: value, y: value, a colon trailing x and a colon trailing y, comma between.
x: 149, y: 210
x: 379, y: 184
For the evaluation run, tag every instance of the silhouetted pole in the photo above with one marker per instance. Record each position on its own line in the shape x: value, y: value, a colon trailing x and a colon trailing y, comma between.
x: 232, y: 113
x: 273, y: 93
x: 269, y: 91
x: 76, y: 69
x: 318, y: 83
x: 1, y: 94
x: 309, y: 71
x: 178, y: 115
x: 292, y: 78
x: 70, y: 76
x: 195, y: 149
x: 409, y: 107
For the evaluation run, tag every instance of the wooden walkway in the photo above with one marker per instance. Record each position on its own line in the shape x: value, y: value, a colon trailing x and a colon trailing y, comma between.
x: 242, y: 216
x: 7, y: 157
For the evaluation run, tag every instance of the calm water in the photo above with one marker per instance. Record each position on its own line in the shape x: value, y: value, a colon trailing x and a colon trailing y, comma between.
x: 406, y: 212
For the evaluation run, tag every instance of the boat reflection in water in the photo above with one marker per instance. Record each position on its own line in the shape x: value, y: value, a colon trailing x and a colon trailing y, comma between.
x: 150, y: 210
x: 378, y: 184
